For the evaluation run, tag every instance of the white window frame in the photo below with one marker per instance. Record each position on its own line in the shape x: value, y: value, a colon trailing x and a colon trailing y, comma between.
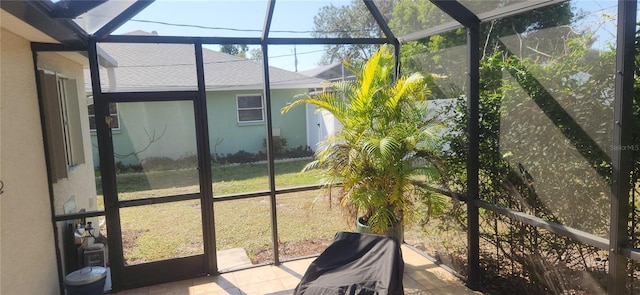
x: 114, y: 117
x: 238, y: 109
x: 64, y: 110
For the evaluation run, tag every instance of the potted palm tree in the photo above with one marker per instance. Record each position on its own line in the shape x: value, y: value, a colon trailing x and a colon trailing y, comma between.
x: 381, y: 156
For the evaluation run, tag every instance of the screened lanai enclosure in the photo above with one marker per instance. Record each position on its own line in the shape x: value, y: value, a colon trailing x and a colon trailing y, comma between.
x: 539, y: 150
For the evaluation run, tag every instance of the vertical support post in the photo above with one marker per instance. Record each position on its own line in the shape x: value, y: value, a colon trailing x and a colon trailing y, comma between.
x: 107, y: 170
x: 473, y: 164
x: 396, y: 51
x: 620, y: 158
x: 270, y: 155
x: 204, y: 167
x: 47, y: 155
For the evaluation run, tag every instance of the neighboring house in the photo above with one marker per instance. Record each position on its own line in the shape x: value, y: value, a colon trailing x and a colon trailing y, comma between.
x: 235, y: 101
x: 322, y: 123
x: 332, y: 72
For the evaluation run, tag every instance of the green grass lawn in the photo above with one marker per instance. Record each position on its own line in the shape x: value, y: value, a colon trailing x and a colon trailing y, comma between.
x: 173, y: 230
x: 229, y: 179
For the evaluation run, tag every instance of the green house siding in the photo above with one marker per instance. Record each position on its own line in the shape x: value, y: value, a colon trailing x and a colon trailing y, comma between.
x: 232, y: 136
x: 153, y: 129
x: 170, y: 125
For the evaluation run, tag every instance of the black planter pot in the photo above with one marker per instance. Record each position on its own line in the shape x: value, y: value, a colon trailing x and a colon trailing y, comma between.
x: 396, y: 231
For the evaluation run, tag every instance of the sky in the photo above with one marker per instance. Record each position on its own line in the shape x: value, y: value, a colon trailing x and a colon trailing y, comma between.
x: 244, y: 18
x: 291, y: 18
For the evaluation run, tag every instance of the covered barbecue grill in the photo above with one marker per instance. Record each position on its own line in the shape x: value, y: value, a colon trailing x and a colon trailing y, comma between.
x: 355, y: 263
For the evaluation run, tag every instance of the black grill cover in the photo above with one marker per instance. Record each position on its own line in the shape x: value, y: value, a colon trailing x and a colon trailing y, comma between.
x: 355, y: 264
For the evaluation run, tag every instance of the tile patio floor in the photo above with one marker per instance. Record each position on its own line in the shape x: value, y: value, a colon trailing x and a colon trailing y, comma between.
x: 421, y: 276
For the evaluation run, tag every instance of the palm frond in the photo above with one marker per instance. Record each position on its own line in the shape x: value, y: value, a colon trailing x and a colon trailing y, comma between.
x: 402, y: 88
x: 385, y: 143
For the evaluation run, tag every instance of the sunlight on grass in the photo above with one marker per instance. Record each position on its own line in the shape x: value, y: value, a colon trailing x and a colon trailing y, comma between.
x: 243, y: 223
x: 174, y: 230
x: 161, y: 231
x: 308, y: 216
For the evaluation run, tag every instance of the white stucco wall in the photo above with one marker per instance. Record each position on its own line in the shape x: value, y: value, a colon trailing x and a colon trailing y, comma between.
x: 27, y: 254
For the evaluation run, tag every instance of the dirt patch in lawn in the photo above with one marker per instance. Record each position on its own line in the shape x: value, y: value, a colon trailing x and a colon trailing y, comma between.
x: 129, y: 245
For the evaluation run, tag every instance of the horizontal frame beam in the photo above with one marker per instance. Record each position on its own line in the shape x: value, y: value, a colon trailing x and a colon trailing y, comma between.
x: 505, y: 11
x: 158, y: 200
x: 326, y: 41
x: 73, y: 8
x: 38, y: 14
x: 553, y: 227
x: 633, y: 253
x: 458, y: 12
x: 88, y: 214
x: 230, y: 40
x: 266, y: 193
x: 53, y: 47
x: 124, y: 17
x: 556, y: 228
x: 148, y: 96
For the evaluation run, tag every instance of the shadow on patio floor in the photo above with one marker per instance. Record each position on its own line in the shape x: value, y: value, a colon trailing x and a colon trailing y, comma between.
x: 421, y: 276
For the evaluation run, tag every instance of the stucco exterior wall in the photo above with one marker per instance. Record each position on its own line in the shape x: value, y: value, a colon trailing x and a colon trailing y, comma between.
x: 27, y: 255
x: 78, y: 190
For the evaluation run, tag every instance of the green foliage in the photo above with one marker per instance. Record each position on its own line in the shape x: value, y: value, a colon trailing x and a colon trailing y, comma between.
x: 255, y: 54
x: 379, y: 154
x: 524, y: 151
x: 348, y: 21
x: 299, y: 152
x: 279, y: 145
x: 281, y: 152
x: 122, y: 168
x: 158, y: 164
x: 243, y: 156
x: 412, y: 16
x: 239, y: 50
x: 191, y: 161
x: 164, y: 163
x: 635, y: 150
x: 545, y: 146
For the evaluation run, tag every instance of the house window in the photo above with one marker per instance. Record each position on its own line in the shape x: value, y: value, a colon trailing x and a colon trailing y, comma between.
x: 113, y: 114
x: 61, y: 110
x: 249, y: 108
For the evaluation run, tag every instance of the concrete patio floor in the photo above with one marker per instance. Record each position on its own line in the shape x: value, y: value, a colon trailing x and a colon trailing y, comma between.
x: 421, y: 276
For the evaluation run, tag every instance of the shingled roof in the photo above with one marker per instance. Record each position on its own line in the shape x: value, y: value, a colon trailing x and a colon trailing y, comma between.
x: 162, y: 67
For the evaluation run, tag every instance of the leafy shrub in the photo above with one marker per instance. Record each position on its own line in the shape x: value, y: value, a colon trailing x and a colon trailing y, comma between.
x: 243, y: 156
x: 166, y: 163
x: 298, y: 152
x: 191, y: 161
x: 122, y: 168
x: 279, y: 145
x: 157, y: 163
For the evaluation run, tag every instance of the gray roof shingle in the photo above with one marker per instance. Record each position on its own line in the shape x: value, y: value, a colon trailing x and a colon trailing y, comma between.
x: 155, y: 67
